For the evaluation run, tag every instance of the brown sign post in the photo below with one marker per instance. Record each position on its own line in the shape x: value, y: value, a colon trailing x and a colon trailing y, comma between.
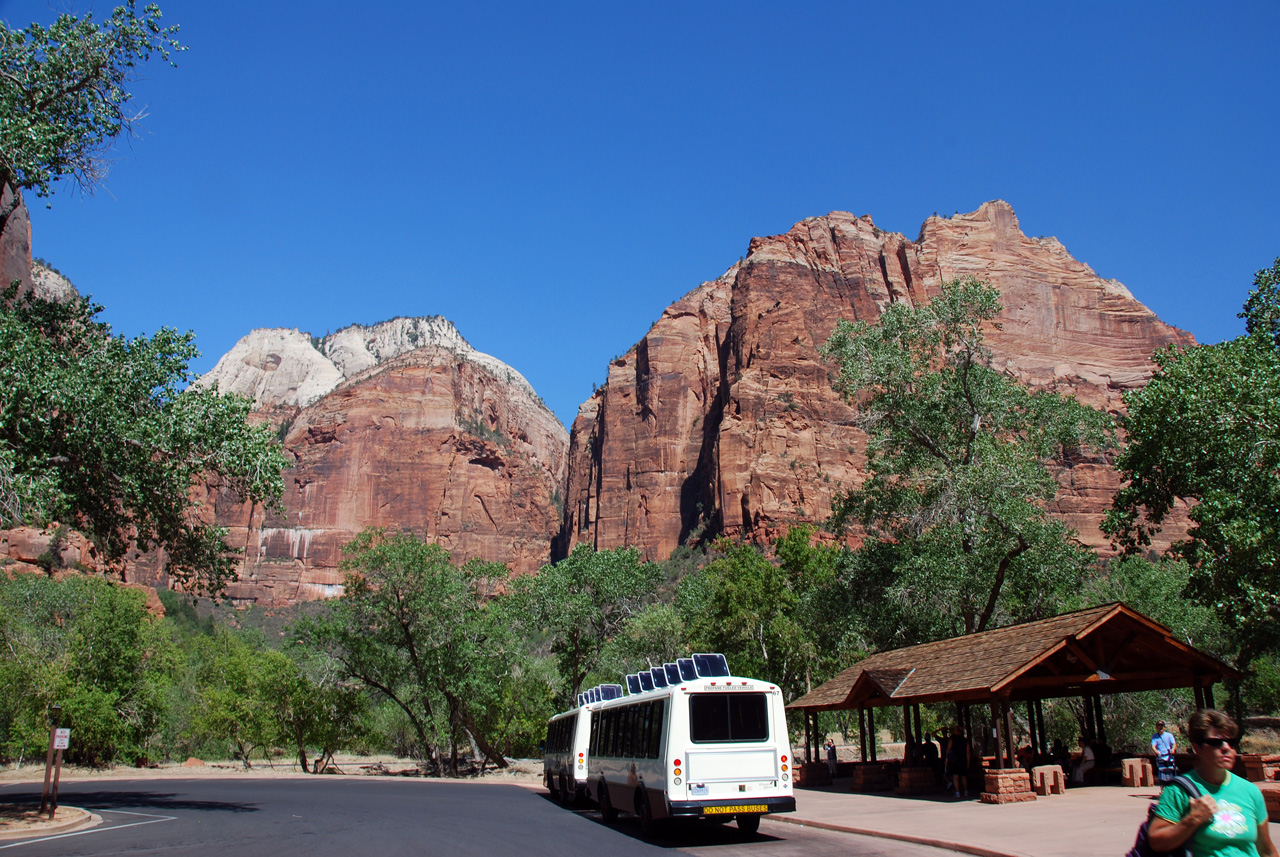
x: 58, y: 739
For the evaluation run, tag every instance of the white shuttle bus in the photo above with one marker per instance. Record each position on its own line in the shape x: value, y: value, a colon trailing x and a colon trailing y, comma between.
x: 564, y: 762
x: 691, y: 741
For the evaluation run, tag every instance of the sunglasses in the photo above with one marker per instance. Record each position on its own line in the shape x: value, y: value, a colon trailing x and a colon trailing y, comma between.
x: 1220, y: 743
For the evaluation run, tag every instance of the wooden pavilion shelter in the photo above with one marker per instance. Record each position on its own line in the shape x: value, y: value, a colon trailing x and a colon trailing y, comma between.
x: 1102, y: 650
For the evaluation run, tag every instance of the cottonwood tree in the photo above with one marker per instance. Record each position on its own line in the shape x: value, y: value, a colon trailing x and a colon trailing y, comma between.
x: 435, y: 638
x: 64, y: 96
x: 106, y: 434
x: 1206, y: 429
x: 954, y: 506
x: 582, y: 602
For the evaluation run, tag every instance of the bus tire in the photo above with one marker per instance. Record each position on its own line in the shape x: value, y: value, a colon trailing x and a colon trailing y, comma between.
x: 748, y: 823
x: 553, y: 788
x: 607, y: 811
x: 644, y: 811
x: 566, y: 793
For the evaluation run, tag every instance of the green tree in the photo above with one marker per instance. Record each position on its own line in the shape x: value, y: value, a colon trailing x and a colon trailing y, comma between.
x: 743, y: 605
x: 787, y: 620
x: 582, y: 602
x: 233, y: 704
x: 1206, y: 429
x: 310, y: 707
x: 434, y: 638
x: 64, y: 96
x: 92, y: 648
x: 958, y: 453
x: 104, y: 433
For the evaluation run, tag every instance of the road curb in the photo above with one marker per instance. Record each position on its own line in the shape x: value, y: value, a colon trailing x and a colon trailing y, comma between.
x: 962, y: 847
x: 69, y: 825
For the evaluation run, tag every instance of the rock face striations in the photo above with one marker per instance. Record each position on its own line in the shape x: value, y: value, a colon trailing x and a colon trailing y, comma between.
x: 403, y: 425
x: 723, y: 417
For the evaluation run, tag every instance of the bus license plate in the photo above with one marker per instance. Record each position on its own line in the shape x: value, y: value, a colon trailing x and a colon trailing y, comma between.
x: 729, y: 810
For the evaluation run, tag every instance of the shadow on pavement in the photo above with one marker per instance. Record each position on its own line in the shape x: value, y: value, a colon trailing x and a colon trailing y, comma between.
x: 137, y: 800
x: 683, y: 833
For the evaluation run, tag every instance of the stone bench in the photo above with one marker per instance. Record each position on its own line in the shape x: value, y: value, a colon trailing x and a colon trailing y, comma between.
x: 1271, y: 794
x: 1135, y: 773
x: 1048, y: 780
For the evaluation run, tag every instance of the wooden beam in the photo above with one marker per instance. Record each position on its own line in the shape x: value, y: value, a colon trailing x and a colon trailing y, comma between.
x: 1074, y: 648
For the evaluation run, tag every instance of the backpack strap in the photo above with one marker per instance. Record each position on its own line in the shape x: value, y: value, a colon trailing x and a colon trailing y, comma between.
x: 1188, y: 785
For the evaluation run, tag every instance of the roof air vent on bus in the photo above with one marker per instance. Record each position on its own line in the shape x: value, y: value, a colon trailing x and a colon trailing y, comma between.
x: 673, y: 673
x: 611, y: 691
x: 687, y: 672
x: 711, y: 665
x: 633, y: 683
x: 659, y: 676
x: 646, y: 680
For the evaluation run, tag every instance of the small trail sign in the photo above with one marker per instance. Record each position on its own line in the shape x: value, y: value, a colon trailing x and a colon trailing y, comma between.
x: 61, y: 739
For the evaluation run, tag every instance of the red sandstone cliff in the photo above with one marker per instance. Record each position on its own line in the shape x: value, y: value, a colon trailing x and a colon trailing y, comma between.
x: 723, y: 418
x: 401, y: 425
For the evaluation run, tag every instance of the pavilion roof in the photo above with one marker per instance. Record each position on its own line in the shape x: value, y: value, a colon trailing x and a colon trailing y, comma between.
x: 1108, y: 649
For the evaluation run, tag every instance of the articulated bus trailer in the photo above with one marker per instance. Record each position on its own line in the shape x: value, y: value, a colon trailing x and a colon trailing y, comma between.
x: 691, y: 741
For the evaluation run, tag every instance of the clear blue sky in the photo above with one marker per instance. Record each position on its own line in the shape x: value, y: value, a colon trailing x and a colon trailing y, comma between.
x: 550, y: 177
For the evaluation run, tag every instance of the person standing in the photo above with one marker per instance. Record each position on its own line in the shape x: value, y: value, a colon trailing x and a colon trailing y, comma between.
x: 831, y: 757
x: 1230, y: 816
x: 1164, y: 745
x: 958, y: 759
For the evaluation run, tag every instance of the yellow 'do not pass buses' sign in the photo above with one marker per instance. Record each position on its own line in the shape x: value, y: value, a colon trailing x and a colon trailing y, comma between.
x: 726, y: 810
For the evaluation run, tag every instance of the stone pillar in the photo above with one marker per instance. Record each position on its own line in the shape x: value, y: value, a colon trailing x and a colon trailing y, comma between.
x: 870, y: 777
x: 1007, y: 786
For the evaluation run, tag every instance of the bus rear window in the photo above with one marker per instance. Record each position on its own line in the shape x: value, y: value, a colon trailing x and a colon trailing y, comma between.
x: 726, y: 717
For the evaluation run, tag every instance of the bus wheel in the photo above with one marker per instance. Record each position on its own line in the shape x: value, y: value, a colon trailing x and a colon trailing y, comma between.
x: 607, y: 812
x: 553, y: 789
x: 566, y: 793
x: 748, y: 823
x: 648, y: 827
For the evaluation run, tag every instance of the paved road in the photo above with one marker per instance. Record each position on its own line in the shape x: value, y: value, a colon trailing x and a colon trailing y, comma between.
x: 324, y: 817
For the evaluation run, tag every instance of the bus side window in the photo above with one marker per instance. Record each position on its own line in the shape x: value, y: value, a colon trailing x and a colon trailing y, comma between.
x: 593, y: 745
x: 611, y: 736
x: 645, y: 722
x: 631, y: 730
x: 655, y: 734
x: 628, y: 730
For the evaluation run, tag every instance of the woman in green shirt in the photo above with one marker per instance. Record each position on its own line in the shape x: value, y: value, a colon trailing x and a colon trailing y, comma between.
x: 1229, y: 819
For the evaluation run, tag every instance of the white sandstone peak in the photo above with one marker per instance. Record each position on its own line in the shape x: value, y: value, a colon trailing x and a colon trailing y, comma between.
x: 284, y: 366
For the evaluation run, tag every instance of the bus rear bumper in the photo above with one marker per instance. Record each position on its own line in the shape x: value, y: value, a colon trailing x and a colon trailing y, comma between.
x: 730, y: 808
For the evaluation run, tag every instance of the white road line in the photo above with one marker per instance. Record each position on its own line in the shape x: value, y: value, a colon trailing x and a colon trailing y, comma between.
x: 155, y: 819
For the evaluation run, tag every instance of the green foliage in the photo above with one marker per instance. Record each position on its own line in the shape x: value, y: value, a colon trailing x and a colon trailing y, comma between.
x: 90, y: 647
x: 954, y: 506
x: 654, y: 635
x: 64, y: 95
x: 1207, y: 429
x: 104, y: 433
x: 583, y: 601
x: 787, y: 621
x: 435, y: 639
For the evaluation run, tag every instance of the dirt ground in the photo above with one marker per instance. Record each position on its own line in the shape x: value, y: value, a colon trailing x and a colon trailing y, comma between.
x: 525, y: 771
